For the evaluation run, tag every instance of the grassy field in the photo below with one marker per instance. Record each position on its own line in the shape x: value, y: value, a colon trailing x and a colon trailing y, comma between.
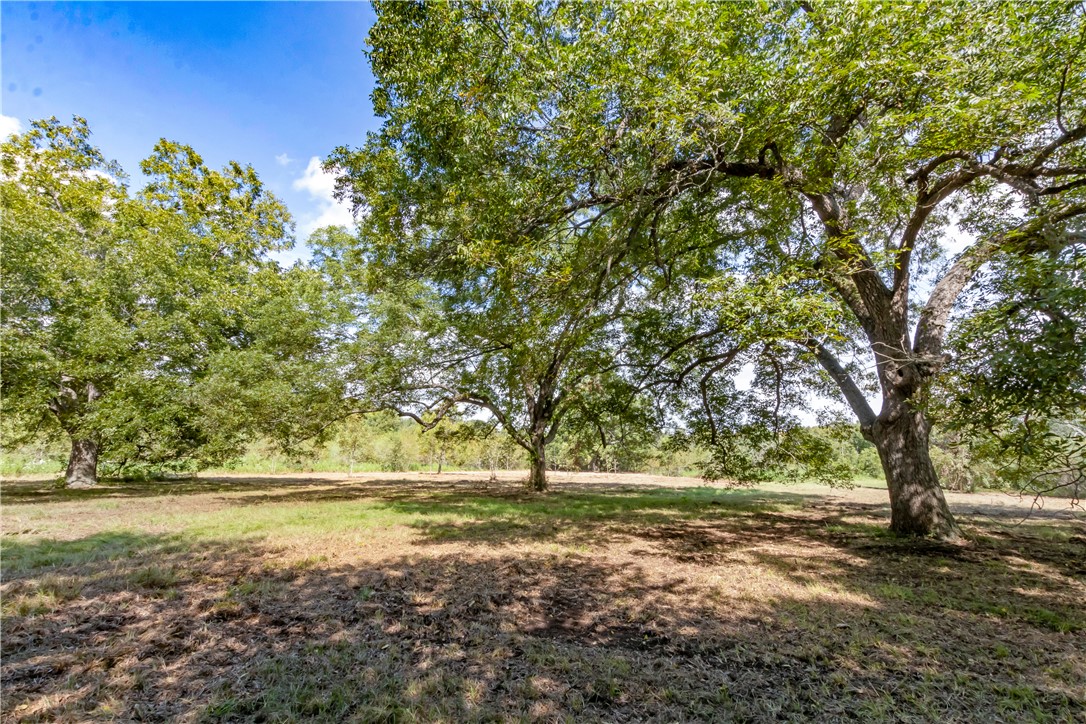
x: 417, y: 597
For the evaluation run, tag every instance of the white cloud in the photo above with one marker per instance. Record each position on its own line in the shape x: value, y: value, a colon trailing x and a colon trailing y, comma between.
x: 289, y: 257
x: 283, y: 159
x: 8, y: 126
x: 315, y: 180
x: 321, y: 187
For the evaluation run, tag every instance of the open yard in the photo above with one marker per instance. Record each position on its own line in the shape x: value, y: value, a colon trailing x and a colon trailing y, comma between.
x: 446, y: 598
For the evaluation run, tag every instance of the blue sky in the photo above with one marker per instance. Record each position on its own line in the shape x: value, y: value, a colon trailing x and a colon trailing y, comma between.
x: 274, y: 85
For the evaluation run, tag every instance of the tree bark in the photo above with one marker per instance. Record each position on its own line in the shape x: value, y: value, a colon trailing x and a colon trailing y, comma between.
x: 71, y: 401
x: 82, y: 464
x: 917, y: 504
x: 537, y: 476
x: 900, y: 434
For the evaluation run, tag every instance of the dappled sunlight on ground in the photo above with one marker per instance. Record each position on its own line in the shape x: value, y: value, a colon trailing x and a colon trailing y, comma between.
x: 412, y: 598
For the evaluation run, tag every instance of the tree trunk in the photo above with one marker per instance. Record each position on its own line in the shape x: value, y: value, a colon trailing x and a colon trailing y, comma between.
x: 917, y: 504
x: 82, y: 464
x: 537, y: 477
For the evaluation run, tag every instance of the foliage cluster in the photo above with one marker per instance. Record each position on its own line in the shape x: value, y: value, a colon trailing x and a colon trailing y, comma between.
x: 152, y: 326
x: 697, y: 187
x: 584, y: 222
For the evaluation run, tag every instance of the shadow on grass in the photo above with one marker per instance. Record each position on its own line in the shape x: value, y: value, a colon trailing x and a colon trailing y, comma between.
x: 283, y: 488
x: 746, y: 613
x: 267, y: 487
x: 457, y: 510
x: 100, y: 547
x: 582, y: 518
x: 15, y: 492
x: 687, y: 526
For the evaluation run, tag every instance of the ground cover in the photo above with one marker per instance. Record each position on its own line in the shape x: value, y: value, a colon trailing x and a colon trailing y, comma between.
x: 407, y: 597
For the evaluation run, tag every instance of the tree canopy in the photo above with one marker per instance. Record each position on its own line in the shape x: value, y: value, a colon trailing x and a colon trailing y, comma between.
x: 525, y: 338
x: 839, y: 147
x: 124, y: 313
x: 584, y: 220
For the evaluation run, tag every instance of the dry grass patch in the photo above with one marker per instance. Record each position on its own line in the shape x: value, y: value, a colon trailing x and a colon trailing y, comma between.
x: 424, y: 601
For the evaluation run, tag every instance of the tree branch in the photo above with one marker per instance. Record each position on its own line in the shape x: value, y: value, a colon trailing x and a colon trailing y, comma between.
x: 1028, y: 238
x: 853, y: 395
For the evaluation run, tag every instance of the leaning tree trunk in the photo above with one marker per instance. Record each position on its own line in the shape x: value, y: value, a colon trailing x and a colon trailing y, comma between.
x: 917, y: 504
x: 82, y: 464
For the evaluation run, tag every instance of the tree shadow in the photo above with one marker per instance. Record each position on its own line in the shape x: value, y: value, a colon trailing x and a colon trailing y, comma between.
x: 759, y: 616
x: 17, y: 492
x: 21, y: 490
x: 332, y: 486
x: 506, y: 513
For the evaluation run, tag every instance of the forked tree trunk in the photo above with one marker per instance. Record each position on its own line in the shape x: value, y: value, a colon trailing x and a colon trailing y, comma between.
x: 73, y: 398
x: 82, y: 464
x: 917, y: 504
x: 900, y: 434
x: 537, y: 476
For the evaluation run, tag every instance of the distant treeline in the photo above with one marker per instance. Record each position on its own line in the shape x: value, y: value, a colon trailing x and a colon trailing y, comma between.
x: 385, y: 443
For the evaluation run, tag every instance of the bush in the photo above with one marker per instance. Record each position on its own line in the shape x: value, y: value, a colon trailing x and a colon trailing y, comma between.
x: 868, y: 463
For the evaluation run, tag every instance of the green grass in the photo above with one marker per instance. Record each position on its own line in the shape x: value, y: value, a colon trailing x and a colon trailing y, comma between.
x: 37, y: 553
x: 293, y: 599
x: 155, y: 578
x: 440, y: 516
